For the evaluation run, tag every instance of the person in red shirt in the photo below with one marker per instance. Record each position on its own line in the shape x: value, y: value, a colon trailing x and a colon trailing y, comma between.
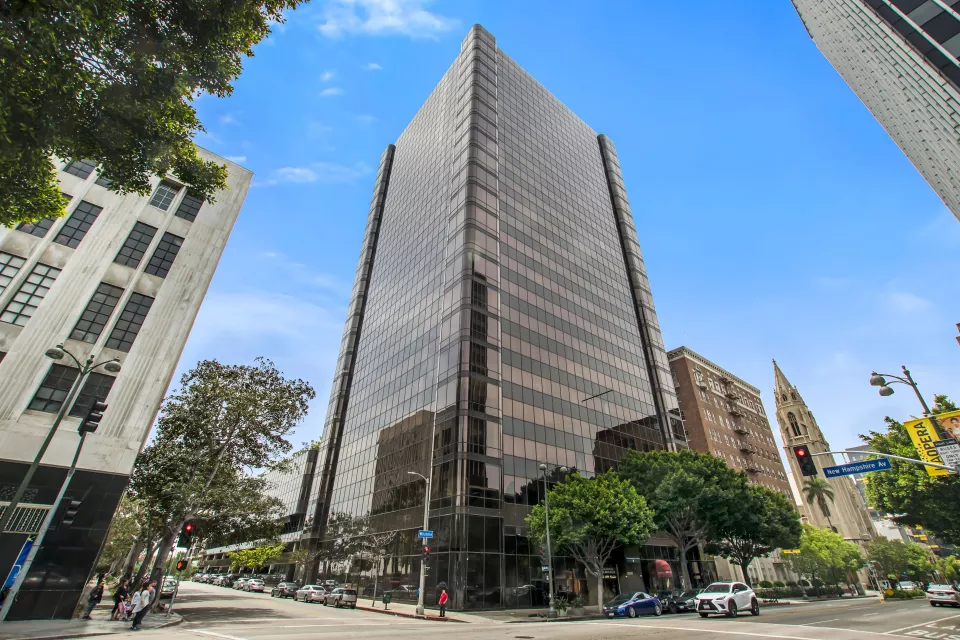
x: 443, y: 603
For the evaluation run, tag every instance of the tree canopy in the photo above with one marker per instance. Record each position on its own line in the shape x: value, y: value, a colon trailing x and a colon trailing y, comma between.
x: 590, y: 518
x: 693, y: 495
x: 907, y: 492
x: 767, y: 521
x: 896, y: 560
x: 824, y: 556
x: 256, y: 557
x: 113, y: 81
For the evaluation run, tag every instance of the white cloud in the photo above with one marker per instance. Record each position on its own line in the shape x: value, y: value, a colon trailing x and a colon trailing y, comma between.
x: 227, y: 118
x: 319, y: 172
x: 907, y: 302
x: 237, y: 159
x: 365, y: 118
x: 383, y: 17
x: 317, y: 129
x: 332, y: 91
x: 327, y: 75
x: 372, y: 66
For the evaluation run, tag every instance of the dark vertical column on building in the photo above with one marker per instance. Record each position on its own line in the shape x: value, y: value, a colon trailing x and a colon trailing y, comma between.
x: 658, y: 366
x: 468, y: 450
x: 343, y: 376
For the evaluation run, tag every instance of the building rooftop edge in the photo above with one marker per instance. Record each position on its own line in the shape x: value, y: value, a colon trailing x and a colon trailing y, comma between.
x: 681, y: 351
x: 225, y: 159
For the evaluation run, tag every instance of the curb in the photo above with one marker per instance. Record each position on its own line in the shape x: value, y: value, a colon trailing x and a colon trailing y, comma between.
x: 401, y: 614
x: 92, y: 634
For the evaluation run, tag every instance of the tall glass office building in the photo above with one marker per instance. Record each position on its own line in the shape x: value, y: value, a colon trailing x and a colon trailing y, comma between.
x: 902, y: 58
x: 501, y: 318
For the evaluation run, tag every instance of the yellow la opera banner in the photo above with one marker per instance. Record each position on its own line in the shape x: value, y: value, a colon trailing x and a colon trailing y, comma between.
x: 950, y: 422
x: 924, y: 435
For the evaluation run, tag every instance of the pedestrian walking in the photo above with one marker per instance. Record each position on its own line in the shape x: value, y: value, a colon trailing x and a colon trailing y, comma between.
x: 93, y: 599
x: 144, y: 605
x: 443, y: 603
x: 119, y: 595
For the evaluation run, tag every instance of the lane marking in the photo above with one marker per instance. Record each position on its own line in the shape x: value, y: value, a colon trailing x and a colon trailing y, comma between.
x: 733, y: 633
x: 820, y: 622
x: 913, y: 626
x: 217, y: 635
x: 772, y: 624
x: 867, y: 615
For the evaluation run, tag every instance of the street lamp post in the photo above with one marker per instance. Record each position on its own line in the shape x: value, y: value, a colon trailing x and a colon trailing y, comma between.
x: 552, y: 613
x: 880, y: 380
x: 57, y: 353
x: 423, y: 561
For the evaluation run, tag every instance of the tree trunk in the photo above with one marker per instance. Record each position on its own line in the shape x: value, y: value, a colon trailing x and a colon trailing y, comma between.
x: 744, y: 563
x: 600, y: 591
x: 684, y: 570
x: 147, y: 561
x: 162, y: 552
x: 135, y: 552
x: 376, y: 577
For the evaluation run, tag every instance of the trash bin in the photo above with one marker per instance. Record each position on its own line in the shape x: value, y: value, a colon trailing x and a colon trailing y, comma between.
x: 386, y: 599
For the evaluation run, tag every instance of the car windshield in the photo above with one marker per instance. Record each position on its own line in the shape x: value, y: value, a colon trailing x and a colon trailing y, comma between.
x: 620, y: 599
x: 686, y: 595
x: 349, y: 592
x: 717, y: 587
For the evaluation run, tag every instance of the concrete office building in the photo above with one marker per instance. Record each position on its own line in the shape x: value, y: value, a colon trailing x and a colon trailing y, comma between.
x: 724, y: 416
x: 502, y: 313
x: 120, y: 276
x: 902, y: 58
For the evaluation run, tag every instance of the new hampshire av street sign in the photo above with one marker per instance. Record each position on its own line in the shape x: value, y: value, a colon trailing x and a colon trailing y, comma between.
x: 865, y: 466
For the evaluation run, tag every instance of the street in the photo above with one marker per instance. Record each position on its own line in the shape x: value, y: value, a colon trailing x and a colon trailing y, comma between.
x: 214, y: 612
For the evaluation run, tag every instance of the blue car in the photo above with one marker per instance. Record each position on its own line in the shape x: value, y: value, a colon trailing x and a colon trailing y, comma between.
x: 631, y: 605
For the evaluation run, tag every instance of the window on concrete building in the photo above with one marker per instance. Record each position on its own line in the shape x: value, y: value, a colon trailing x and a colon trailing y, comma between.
x: 97, y: 313
x: 54, y: 389
x: 80, y: 168
x: 164, y: 256
x: 31, y: 293
x: 794, y: 425
x: 95, y: 389
x: 38, y: 228
x: 103, y: 182
x: 128, y: 326
x: 164, y: 195
x: 189, y: 207
x: 9, y: 267
x: 131, y: 253
x: 77, y: 225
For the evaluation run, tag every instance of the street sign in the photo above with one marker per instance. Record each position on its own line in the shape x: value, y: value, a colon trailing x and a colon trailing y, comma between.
x: 866, y: 466
x: 949, y: 452
x: 546, y: 569
x: 424, y: 533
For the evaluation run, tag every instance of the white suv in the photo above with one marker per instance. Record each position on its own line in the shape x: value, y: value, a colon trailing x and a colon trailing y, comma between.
x: 728, y: 598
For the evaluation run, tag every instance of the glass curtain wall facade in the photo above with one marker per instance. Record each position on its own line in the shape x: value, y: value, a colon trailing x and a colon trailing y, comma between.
x: 501, y: 319
x: 902, y: 59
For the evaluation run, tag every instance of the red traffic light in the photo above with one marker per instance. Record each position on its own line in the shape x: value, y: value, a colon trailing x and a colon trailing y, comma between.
x: 181, y: 565
x: 801, y: 453
x: 426, y: 549
x: 188, y: 527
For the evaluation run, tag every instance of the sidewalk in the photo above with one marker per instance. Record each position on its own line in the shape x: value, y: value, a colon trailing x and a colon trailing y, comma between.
x: 99, y: 625
x: 405, y: 610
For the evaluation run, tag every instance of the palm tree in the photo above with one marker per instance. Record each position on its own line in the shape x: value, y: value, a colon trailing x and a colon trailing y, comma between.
x: 819, y: 490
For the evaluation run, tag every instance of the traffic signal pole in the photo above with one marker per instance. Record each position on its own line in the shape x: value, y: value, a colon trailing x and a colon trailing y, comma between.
x: 47, y: 523
x: 888, y: 455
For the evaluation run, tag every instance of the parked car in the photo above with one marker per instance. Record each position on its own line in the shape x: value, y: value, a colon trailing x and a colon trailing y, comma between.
x: 404, y: 592
x: 632, y: 605
x: 310, y: 593
x: 285, y: 590
x: 728, y: 598
x: 943, y: 594
x: 678, y: 601
x: 329, y: 585
x: 240, y: 583
x: 253, y: 584
x: 168, y: 588
x: 341, y: 596
x: 909, y: 585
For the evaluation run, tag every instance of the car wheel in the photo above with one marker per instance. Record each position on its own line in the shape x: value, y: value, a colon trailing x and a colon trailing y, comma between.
x: 732, y: 610
x: 631, y: 612
x: 657, y: 609
x: 703, y: 615
x: 672, y: 607
x: 754, y: 607
x: 336, y: 604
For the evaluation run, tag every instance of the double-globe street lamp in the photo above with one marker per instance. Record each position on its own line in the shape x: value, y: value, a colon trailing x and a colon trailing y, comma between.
x: 880, y: 380
x: 552, y: 613
x: 86, y: 368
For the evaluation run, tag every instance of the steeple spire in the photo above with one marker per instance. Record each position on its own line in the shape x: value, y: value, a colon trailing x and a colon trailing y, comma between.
x: 783, y: 391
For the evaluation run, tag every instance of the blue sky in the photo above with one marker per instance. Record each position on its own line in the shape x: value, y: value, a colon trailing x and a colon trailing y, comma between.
x: 777, y: 218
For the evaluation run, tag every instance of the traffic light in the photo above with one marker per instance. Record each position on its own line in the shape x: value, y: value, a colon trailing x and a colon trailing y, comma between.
x: 186, y: 534
x: 426, y: 554
x: 92, y: 420
x: 68, y: 511
x: 805, y: 461
x: 181, y: 565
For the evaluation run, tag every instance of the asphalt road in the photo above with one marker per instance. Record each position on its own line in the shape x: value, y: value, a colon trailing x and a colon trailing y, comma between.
x: 214, y: 612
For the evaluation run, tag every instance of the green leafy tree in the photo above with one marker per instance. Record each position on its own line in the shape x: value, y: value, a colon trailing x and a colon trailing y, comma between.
x: 825, y: 557
x: 819, y: 490
x: 899, y: 559
x: 256, y: 557
x: 590, y: 519
x: 379, y: 547
x: 122, y: 536
x: 907, y: 492
x: 223, y: 421
x: 767, y: 520
x: 113, y: 81
x: 692, y: 495
x: 948, y: 569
